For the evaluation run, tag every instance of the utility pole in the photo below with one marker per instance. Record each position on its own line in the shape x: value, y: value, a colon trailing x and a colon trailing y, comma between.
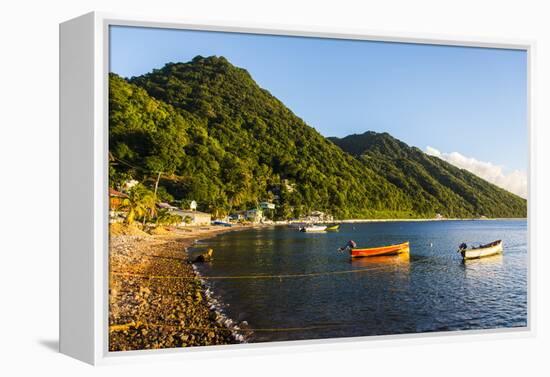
x: 157, y: 184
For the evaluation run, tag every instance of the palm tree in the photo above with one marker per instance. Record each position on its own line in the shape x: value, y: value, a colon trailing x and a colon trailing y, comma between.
x: 164, y: 217
x: 140, y: 203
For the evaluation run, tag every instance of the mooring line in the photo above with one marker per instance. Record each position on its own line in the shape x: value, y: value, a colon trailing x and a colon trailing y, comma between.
x: 127, y: 326
x: 242, y: 277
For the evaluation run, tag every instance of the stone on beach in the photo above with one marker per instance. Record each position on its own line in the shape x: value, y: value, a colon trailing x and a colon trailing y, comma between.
x: 157, y: 312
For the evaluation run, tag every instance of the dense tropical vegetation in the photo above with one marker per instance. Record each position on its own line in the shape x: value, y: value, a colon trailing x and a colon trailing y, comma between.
x: 434, y: 184
x: 205, y: 131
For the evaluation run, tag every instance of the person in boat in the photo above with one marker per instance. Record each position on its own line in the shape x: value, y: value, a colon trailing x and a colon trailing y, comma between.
x: 349, y: 245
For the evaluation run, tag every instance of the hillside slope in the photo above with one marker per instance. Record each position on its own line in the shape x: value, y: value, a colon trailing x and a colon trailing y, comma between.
x: 436, y: 185
x: 216, y: 137
x: 239, y: 146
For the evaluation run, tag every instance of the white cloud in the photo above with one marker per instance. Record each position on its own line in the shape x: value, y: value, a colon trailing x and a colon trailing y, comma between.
x: 515, y: 182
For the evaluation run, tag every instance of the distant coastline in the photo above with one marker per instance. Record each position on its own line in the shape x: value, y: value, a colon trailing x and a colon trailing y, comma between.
x: 351, y: 221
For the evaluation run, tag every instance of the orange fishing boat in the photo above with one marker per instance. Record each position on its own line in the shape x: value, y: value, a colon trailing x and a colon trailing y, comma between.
x: 378, y: 251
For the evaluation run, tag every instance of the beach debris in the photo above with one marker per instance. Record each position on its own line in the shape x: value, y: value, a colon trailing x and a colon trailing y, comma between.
x: 205, y: 257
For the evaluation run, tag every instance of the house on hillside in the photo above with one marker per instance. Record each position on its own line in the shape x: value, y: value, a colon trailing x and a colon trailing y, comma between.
x: 241, y: 215
x: 267, y: 205
x: 166, y: 206
x: 115, y: 199
x: 318, y: 216
x: 255, y: 215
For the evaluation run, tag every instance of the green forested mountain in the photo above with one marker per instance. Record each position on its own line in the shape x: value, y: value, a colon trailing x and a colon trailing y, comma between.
x: 434, y: 183
x: 214, y: 136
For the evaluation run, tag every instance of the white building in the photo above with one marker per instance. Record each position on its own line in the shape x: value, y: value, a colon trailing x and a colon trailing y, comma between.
x: 193, y: 217
x: 267, y: 205
x: 318, y: 216
x: 255, y: 215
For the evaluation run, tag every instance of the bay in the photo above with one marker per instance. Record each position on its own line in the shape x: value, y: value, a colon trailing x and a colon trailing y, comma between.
x: 289, y: 285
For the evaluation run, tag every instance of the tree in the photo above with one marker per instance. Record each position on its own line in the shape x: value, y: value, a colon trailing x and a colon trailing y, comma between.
x: 164, y: 217
x: 205, y: 131
x: 140, y: 204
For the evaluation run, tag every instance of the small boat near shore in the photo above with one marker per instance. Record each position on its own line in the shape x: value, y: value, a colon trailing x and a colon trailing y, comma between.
x: 481, y: 251
x: 313, y: 228
x: 222, y: 223
x: 333, y: 228
x: 355, y: 252
x: 401, y: 261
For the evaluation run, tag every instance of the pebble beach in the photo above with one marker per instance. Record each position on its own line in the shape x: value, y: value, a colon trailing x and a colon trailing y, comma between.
x: 156, y: 297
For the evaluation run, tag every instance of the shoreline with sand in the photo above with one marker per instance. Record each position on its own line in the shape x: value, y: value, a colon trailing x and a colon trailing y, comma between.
x: 157, y: 298
x: 352, y: 221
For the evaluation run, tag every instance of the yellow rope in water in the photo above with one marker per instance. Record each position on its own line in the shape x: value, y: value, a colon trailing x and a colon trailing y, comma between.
x: 127, y: 326
x: 283, y: 276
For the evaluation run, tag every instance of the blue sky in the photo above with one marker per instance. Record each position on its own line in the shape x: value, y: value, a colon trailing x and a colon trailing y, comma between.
x: 456, y: 99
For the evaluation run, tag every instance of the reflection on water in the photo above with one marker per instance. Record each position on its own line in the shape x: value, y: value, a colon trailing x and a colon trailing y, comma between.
x: 483, y: 268
x: 493, y: 259
x: 327, y: 294
x: 387, y: 261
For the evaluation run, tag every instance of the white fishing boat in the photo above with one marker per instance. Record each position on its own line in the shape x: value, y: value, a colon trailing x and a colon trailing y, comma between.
x: 481, y: 251
x: 313, y: 228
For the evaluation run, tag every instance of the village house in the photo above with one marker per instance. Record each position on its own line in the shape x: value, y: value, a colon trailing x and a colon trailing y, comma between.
x: 267, y: 205
x: 193, y: 217
x: 237, y: 216
x: 318, y: 216
x: 166, y: 206
x: 255, y: 215
x: 116, y: 200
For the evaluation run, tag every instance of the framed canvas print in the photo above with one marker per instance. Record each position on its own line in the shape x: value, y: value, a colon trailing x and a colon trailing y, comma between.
x: 225, y: 187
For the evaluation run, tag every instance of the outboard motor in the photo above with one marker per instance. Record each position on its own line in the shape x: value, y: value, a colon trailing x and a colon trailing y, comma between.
x: 462, y: 246
x: 349, y: 245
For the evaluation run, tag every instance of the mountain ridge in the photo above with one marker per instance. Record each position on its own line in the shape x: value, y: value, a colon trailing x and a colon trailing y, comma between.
x: 388, y: 156
x: 219, y: 138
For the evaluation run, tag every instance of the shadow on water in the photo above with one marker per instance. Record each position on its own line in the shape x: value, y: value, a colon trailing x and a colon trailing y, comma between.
x: 495, y: 260
x: 419, y: 258
x: 402, y: 259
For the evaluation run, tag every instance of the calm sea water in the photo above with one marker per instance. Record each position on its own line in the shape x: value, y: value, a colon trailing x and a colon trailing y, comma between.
x: 431, y: 290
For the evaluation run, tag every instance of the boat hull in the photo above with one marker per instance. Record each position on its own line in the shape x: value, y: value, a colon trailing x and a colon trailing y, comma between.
x: 488, y: 250
x: 380, y: 251
x: 314, y: 229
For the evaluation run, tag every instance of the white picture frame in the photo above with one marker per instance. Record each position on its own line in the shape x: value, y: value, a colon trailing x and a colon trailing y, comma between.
x: 84, y: 58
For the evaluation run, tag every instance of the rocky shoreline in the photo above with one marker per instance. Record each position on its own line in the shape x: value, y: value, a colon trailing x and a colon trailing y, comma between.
x: 157, y: 299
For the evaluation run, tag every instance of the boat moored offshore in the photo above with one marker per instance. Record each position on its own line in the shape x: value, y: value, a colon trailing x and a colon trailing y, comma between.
x: 481, y: 251
x: 313, y: 228
x: 356, y: 252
